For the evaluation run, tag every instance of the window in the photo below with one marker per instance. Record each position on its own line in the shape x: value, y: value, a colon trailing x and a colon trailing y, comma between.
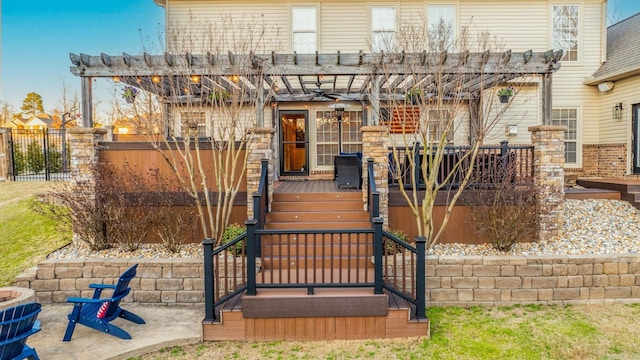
x: 383, y: 28
x: 303, y: 30
x: 327, y: 134
x: 568, y: 118
x: 194, y: 123
x: 565, y: 30
x: 438, y: 121
x: 441, y: 26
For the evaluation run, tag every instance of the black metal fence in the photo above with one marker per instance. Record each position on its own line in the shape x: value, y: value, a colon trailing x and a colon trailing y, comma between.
x: 41, y: 154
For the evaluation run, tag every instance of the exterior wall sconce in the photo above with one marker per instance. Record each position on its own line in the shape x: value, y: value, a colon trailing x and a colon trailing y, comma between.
x: 512, y: 130
x: 617, y: 111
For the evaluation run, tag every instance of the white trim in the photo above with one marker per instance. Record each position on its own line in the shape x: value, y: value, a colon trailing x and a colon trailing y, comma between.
x: 579, y: 60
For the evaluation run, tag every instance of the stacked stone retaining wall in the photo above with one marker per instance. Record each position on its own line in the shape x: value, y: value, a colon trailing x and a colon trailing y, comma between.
x: 460, y: 281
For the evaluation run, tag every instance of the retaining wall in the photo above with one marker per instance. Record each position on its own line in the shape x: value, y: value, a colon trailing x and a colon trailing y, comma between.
x: 461, y: 281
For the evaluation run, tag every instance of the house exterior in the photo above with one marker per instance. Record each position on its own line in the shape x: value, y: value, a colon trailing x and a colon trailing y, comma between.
x: 616, y: 151
x: 38, y: 122
x: 331, y: 27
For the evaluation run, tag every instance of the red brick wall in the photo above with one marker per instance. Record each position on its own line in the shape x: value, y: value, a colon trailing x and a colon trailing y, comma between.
x: 602, y: 160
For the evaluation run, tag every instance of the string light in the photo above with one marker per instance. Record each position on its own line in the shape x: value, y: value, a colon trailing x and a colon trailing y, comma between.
x: 195, y: 78
x: 155, y: 79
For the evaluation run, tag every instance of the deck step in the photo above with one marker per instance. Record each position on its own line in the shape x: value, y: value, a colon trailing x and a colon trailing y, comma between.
x: 311, y: 206
x: 332, y: 216
x: 314, y: 197
x: 318, y: 225
x: 397, y: 322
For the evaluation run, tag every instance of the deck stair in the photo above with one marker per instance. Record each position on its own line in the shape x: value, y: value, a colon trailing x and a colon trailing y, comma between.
x: 629, y: 189
x: 316, y: 211
x: 327, y: 313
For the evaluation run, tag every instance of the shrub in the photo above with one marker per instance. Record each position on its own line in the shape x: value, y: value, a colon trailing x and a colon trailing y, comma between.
x: 35, y: 157
x: 230, y: 233
x: 391, y: 247
x: 505, y: 214
x: 19, y: 160
x: 173, y: 226
x: 54, y: 159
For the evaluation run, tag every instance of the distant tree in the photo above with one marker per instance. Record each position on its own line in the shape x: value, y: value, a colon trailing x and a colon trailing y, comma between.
x: 6, y: 111
x: 32, y: 104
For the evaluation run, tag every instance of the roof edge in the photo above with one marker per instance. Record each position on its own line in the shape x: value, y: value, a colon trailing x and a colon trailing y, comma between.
x: 618, y: 75
x: 162, y: 3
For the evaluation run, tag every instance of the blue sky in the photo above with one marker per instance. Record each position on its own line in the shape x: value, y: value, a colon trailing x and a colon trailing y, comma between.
x: 38, y: 35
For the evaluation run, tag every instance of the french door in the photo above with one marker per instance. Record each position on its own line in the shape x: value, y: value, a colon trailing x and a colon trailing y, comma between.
x: 294, y: 142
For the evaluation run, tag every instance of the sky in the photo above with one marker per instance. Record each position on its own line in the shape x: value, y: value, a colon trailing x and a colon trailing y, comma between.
x: 38, y: 35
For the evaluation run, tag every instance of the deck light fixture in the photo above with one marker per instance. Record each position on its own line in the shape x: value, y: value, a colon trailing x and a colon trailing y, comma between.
x: 617, y: 111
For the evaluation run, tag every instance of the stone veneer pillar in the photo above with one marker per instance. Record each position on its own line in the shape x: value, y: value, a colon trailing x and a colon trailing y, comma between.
x: 374, y: 146
x: 83, y: 143
x: 548, y: 174
x: 259, y: 148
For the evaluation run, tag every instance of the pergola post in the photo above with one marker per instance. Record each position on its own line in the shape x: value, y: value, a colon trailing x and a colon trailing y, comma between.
x: 375, y: 101
x: 546, y: 99
x: 87, y: 101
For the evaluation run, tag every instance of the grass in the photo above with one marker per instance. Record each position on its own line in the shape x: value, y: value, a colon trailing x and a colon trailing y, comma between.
x: 515, y: 332
x: 25, y: 236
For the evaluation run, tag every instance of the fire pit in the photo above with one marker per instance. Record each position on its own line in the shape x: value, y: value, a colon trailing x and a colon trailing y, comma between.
x: 12, y: 296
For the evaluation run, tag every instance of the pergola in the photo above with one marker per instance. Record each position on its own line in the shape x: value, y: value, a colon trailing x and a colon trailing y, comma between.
x: 370, y: 78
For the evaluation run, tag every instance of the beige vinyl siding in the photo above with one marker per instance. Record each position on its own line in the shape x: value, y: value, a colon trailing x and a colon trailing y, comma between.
x: 520, y: 25
x: 522, y: 110
x: 344, y: 27
x: 616, y: 131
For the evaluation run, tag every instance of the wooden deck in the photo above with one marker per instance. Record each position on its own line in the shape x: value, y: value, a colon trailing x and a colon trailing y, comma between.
x: 310, y: 186
x: 628, y: 188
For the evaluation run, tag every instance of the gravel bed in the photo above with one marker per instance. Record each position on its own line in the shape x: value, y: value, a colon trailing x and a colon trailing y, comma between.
x: 590, y: 227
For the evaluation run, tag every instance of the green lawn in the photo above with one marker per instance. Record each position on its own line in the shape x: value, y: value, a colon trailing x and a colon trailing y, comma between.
x: 25, y: 237
x: 518, y: 332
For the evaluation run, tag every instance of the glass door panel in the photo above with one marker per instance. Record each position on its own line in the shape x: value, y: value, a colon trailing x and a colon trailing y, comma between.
x: 293, y: 130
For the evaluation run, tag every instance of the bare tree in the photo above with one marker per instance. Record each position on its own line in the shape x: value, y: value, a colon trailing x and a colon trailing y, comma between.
x: 435, y: 97
x: 208, y: 118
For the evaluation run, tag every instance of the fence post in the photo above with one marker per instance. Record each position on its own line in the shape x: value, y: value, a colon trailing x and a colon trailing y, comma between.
x: 504, y: 147
x: 45, y: 150
x: 377, y: 254
x: 209, y: 284
x: 421, y: 244
x: 251, y: 256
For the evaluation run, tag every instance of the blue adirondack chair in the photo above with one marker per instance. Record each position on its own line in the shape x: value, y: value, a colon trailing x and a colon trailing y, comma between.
x: 97, y: 312
x: 16, y: 325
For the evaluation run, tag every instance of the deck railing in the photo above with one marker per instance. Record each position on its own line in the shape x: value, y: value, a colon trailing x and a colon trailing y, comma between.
x: 493, y: 164
x: 403, y: 271
x: 310, y: 259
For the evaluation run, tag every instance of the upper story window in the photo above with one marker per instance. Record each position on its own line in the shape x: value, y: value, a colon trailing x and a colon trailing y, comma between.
x: 441, y: 26
x: 565, y: 30
x: 383, y: 28
x: 304, y: 30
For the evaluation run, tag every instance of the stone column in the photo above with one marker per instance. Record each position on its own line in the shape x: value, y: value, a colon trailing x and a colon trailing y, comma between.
x: 548, y: 174
x: 83, y: 143
x: 374, y: 145
x: 259, y: 148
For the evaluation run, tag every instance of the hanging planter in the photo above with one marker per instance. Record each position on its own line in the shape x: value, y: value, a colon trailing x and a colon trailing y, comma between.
x: 129, y: 94
x: 505, y: 93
